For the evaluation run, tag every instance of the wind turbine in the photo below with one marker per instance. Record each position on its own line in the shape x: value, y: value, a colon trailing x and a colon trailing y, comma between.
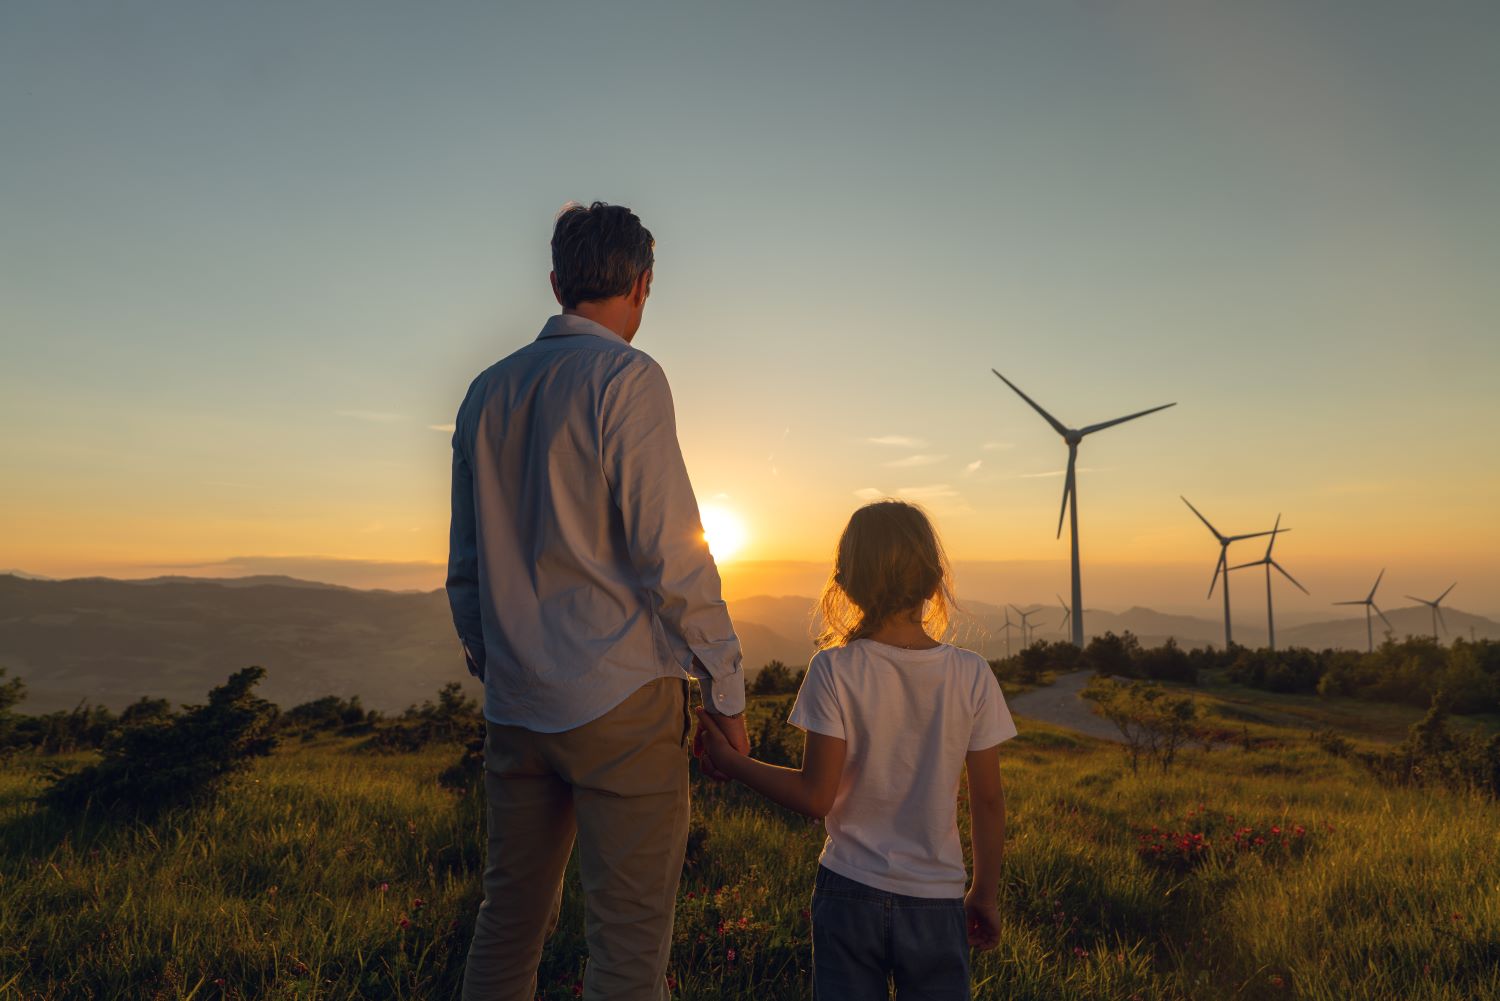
x: 1025, y: 625
x: 1224, y: 541
x: 1067, y: 614
x: 1437, y: 613
x: 1268, y: 562
x: 1070, y: 486
x: 1369, y: 602
x: 1009, y: 625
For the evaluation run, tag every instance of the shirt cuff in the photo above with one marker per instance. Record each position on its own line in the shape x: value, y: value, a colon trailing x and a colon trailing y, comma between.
x: 725, y: 696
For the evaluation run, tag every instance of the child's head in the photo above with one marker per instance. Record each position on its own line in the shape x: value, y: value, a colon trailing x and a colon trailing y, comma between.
x: 889, y: 562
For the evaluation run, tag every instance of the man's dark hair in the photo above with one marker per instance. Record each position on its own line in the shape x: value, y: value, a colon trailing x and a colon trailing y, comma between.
x: 598, y: 252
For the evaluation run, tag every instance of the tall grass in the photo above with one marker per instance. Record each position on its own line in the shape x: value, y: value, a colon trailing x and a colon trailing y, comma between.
x: 329, y: 872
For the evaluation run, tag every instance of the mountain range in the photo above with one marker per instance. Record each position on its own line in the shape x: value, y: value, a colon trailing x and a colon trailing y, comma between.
x: 112, y: 641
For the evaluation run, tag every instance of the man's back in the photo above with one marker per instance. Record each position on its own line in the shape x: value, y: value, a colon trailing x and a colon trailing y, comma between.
x: 583, y: 531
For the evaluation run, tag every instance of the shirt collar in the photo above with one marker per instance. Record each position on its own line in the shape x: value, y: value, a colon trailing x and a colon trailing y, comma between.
x: 567, y: 324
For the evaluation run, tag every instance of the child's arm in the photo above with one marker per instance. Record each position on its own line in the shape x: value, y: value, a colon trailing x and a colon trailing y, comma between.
x: 809, y: 790
x: 987, y: 819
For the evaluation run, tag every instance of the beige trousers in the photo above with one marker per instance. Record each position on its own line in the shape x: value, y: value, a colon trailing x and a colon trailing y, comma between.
x: 619, y: 785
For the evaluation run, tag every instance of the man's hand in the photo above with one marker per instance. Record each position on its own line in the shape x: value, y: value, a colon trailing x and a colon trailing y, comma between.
x: 982, y: 918
x: 718, y: 739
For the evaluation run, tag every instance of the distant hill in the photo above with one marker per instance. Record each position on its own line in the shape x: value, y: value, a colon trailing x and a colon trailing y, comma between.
x: 111, y: 641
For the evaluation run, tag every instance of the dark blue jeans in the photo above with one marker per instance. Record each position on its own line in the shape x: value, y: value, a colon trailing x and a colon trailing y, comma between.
x: 864, y: 938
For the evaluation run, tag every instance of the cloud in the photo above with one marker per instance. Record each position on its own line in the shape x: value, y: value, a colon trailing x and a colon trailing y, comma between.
x: 973, y: 467
x: 376, y: 416
x: 870, y: 494
x: 445, y: 428
x: 912, y: 461
x: 935, y: 491
x: 994, y: 446
x: 898, y: 441
x: 1055, y: 472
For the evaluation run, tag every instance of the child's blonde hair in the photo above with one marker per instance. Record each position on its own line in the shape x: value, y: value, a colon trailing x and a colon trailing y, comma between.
x: 889, y: 560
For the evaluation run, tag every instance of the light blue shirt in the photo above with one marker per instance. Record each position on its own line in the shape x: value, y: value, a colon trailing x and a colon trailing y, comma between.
x: 577, y: 568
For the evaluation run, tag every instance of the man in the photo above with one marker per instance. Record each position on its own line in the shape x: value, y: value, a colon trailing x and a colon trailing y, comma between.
x: 584, y: 596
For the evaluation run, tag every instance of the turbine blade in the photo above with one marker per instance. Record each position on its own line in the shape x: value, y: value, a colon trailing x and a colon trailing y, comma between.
x: 1121, y: 420
x: 1377, y: 584
x: 1441, y: 620
x: 1382, y: 615
x: 1275, y: 530
x: 1348, y: 602
x: 1056, y: 424
x: 1445, y: 593
x: 1217, y: 567
x: 1242, y: 566
x: 1289, y: 577
x: 1203, y: 519
x: 1067, y: 490
x: 1250, y: 535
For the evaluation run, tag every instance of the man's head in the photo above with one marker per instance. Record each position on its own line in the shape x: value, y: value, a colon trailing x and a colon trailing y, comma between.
x: 601, y: 265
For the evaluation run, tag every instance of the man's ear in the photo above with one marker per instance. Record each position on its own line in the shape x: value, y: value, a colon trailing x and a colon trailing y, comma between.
x: 642, y: 288
x: 556, y: 292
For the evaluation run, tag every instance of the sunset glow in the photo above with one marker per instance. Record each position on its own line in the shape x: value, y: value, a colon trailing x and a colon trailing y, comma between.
x: 724, y: 531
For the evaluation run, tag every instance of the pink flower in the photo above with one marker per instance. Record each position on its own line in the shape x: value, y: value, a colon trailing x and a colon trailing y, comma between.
x: 384, y: 887
x: 730, y: 954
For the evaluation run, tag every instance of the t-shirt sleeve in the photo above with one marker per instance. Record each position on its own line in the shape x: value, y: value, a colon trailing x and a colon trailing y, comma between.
x: 817, y: 708
x: 992, y: 721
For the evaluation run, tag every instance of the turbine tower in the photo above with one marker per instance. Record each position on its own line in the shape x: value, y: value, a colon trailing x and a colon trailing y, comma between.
x: 1369, y: 602
x: 1025, y: 625
x: 1222, y: 565
x: 1070, y: 486
x: 1009, y: 625
x: 1268, y: 562
x: 1067, y: 614
x: 1437, y: 612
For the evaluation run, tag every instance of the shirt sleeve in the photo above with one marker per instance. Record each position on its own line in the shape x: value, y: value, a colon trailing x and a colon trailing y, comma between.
x: 646, y: 474
x: 817, y: 708
x: 992, y: 720
x: 463, y: 564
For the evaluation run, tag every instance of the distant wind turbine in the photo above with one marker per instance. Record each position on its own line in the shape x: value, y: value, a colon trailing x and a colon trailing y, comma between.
x: 1437, y: 612
x: 1070, y: 486
x: 1025, y: 625
x: 1224, y: 541
x: 1268, y: 562
x: 1369, y: 602
x: 1009, y: 625
x: 1067, y: 614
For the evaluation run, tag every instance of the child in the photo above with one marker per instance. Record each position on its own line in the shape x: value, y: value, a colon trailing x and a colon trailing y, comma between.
x: 891, y: 715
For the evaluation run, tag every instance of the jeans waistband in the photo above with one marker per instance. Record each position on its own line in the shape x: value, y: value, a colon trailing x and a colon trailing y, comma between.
x: 830, y: 884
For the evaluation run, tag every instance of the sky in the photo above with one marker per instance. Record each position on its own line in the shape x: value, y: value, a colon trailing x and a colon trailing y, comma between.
x: 251, y: 256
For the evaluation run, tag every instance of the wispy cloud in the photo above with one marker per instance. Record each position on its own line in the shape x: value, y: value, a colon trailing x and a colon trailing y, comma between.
x: 376, y: 416
x: 973, y: 467
x: 445, y: 428
x: 1055, y: 472
x: 995, y: 446
x: 932, y: 492
x: 870, y: 494
x: 898, y: 441
x: 912, y: 461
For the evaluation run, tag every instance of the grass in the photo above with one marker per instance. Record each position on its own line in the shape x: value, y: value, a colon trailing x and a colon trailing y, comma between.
x: 328, y: 872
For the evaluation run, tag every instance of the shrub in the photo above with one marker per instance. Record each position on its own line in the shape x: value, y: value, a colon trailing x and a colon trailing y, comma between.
x: 1153, y: 723
x: 1432, y: 753
x: 1110, y: 654
x: 167, y: 761
x: 331, y: 713
x: 776, y: 679
x: 452, y: 717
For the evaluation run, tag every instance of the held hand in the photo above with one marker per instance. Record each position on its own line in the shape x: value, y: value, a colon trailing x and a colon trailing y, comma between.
x: 982, y: 919
x: 718, y: 742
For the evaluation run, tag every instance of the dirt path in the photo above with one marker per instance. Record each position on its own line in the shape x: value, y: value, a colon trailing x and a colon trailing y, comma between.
x: 1059, y: 704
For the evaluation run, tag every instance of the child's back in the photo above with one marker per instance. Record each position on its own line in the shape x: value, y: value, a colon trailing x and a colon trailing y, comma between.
x: 909, y: 718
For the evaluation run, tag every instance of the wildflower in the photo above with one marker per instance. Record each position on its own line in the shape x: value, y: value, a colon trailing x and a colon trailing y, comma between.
x: 744, y: 921
x: 403, y: 923
x: 384, y: 887
x: 418, y: 904
x: 271, y: 892
x: 690, y: 895
x: 671, y: 983
x: 702, y: 938
x: 1299, y: 830
x: 578, y: 990
x: 1275, y: 830
x: 730, y: 954
x: 1080, y: 953
x: 1276, y: 980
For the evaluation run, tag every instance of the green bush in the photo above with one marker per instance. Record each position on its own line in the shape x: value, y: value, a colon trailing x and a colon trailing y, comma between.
x: 167, y: 761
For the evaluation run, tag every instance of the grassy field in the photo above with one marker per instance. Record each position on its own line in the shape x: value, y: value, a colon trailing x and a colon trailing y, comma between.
x: 329, y: 871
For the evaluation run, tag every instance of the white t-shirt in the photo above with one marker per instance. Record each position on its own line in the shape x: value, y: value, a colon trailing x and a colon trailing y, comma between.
x: 909, y: 718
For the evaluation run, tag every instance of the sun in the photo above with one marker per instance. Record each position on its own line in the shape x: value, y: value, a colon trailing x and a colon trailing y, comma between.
x: 724, y: 531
